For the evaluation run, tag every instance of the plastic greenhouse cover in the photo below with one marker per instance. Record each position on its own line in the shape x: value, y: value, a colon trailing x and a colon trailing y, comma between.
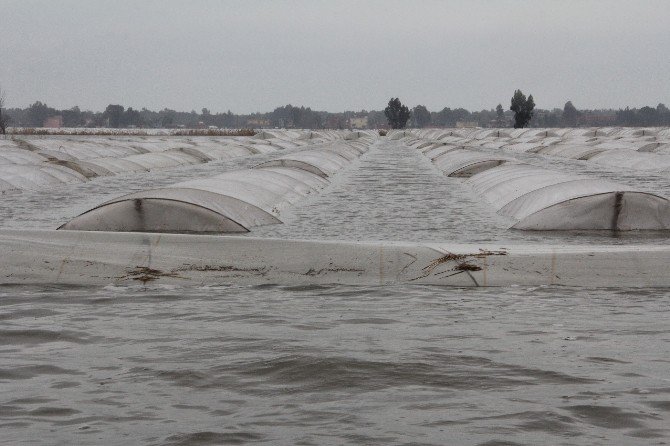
x: 326, y: 161
x: 262, y: 148
x: 622, y: 145
x: 504, y: 183
x: 521, y: 147
x: 633, y: 160
x: 161, y: 160
x: 280, y: 179
x: 247, y: 197
x: 64, y: 174
x: 441, y: 150
x: 35, y: 177
x: 7, y: 144
x: 607, y: 211
x: 265, y: 189
x: 547, y: 196
x: 242, y: 212
x: 350, y: 151
x: 56, y: 155
x: 116, y: 165
x: 571, y: 151
x: 456, y: 160
x: 663, y: 149
x: 20, y: 156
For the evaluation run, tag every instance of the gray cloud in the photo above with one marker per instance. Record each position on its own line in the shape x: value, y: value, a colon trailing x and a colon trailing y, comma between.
x: 251, y: 55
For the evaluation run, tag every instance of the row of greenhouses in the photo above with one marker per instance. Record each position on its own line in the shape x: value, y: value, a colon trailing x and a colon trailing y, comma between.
x: 645, y: 149
x: 537, y: 198
x: 39, y: 162
x: 234, y: 201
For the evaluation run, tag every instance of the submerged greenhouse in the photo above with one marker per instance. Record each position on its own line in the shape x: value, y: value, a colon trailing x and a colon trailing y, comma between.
x: 431, y: 206
x: 234, y: 201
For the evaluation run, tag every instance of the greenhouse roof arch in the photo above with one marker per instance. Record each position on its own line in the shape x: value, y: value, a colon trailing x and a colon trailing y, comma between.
x: 540, y: 199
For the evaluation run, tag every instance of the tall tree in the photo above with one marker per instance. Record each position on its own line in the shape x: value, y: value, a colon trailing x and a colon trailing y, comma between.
x: 648, y: 116
x: 570, y: 115
x: 421, y: 116
x: 500, y: 116
x: 132, y: 118
x: 115, y: 115
x: 522, y: 108
x: 3, y: 123
x: 72, y: 117
x: 397, y: 114
x: 663, y: 114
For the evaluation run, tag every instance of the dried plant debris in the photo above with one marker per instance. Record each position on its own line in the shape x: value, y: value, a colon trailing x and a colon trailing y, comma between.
x: 465, y: 266
x: 313, y: 272
x: 462, y: 262
x: 145, y: 274
x: 222, y: 268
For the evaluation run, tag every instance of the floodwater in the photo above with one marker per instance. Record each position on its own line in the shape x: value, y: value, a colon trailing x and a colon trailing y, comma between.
x: 332, y: 365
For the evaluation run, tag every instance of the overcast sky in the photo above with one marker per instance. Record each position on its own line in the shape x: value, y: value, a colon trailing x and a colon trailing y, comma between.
x: 255, y: 55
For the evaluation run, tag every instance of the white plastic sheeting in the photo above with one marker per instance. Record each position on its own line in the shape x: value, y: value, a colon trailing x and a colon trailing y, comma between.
x: 323, y: 162
x: 465, y: 163
x: 622, y: 148
x: 102, y: 258
x: 93, y: 156
x: 231, y: 202
x: 541, y: 199
x: 83, y: 150
x: 234, y: 201
x: 188, y: 154
x: 19, y: 156
x: 35, y: 177
x: 633, y: 160
x: 577, y: 151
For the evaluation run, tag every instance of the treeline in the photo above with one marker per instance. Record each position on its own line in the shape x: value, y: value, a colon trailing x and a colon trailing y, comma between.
x: 289, y: 116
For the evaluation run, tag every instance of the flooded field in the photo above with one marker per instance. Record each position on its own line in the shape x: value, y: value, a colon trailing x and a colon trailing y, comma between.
x: 334, y: 365
x: 229, y: 364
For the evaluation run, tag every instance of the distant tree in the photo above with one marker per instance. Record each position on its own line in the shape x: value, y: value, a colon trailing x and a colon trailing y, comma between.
x: 167, y: 118
x: 421, y: 116
x: 626, y: 117
x: 38, y: 113
x: 663, y: 114
x: 648, y: 116
x: 570, y: 115
x: 296, y: 116
x: 3, y: 123
x: 114, y: 113
x: 522, y: 108
x: 500, y: 116
x: 132, y: 118
x: 72, y: 117
x: 376, y: 119
x: 397, y: 114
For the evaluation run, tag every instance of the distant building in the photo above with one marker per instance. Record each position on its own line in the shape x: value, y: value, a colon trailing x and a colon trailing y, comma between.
x: 337, y: 121
x: 359, y: 123
x: 53, y: 122
x: 258, y: 123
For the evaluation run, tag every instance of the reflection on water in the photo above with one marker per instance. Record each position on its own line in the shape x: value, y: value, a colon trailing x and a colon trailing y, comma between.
x: 334, y: 365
